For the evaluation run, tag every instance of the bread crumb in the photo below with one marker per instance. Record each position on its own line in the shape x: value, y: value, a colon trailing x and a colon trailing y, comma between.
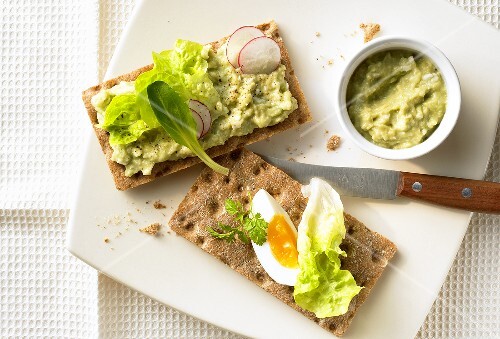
x: 106, y: 240
x: 292, y: 159
x: 152, y: 229
x: 317, y: 34
x: 370, y: 30
x: 333, y: 143
x: 327, y: 131
x: 159, y: 205
x: 330, y: 62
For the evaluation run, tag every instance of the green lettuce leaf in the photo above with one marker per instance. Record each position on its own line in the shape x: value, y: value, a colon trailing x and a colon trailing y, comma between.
x: 122, y: 120
x: 184, y: 69
x: 322, y: 287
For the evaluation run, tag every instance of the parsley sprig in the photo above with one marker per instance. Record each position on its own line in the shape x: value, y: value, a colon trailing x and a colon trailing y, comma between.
x: 247, y: 225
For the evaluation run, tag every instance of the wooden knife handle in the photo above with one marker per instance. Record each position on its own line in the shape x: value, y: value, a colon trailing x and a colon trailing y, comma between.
x: 470, y: 195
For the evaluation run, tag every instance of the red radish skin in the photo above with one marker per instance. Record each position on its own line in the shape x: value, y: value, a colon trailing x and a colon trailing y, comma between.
x: 199, y: 124
x: 261, y: 55
x: 237, y: 40
x: 204, y: 114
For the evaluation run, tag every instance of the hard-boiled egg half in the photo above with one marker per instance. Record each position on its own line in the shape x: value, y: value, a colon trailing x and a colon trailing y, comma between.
x: 308, y: 260
x: 278, y: 255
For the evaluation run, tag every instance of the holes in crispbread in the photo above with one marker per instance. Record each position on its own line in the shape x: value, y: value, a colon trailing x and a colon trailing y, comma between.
x: 377, y: 258
x: 235, y: 155
x: 162, y: 172
x: 301, y: 120
x: 181, y: 218
x: 275, y: 193
x: 240, y: 188
x: 213, y: 206
x: 260, y: 277
x: 189, y: 226
x: 332, y: 326
x: 200, y: 240
x: 207, y: 177
x: 226, y: 180
x: 256, y: 170
x: 194, y: 188
x: 350, y: 230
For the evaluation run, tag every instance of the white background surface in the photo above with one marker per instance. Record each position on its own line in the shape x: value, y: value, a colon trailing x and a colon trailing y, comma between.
x: 49, y: 52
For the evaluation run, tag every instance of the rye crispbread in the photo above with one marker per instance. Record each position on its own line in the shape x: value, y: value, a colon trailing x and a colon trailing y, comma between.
x: 367, y: 252
x: 299, y: 116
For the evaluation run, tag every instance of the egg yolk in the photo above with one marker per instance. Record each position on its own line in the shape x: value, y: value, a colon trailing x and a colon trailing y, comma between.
x: 283, y: 242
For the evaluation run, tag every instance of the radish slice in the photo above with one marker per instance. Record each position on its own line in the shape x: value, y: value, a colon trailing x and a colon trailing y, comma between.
x: 203, y: 113
x: 199, y: 124
x: 237, y: 40
x: 259, y: 55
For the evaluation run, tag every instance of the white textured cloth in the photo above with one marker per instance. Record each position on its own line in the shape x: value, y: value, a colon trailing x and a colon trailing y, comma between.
x: 48, y: 53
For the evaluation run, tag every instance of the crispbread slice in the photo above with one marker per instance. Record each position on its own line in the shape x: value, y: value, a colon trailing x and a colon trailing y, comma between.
x: 367, y: 252
x: 301, y: 115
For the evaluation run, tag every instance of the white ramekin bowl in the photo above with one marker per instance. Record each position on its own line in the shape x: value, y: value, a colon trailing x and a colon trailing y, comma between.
x: 452, y: 106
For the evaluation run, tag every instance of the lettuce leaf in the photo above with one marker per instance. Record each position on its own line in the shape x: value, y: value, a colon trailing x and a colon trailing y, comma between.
x: 184, y: 69
x: 124, y: 136
x: 122, y: 120
x: 121, y: 111
x: 322, y: 287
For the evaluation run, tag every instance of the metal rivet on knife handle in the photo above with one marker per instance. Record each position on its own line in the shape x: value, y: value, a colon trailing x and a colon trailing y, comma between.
x: 466, y: 193
x: 417, y: 187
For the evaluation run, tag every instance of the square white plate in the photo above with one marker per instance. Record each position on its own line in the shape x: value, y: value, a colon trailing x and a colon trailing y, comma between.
x: 175, y: 272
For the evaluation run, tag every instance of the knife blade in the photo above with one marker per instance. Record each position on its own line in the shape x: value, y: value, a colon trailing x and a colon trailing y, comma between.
x: 466, y: 194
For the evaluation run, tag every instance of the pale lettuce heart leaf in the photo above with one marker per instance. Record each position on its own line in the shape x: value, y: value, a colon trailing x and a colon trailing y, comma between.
x: 121, y: 111
x: 322, y: 287
x: 129, y: 134
x: 122, y: 120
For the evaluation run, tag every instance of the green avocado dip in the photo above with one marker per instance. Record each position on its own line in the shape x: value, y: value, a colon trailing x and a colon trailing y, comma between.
x: 238, y: 104
x: 396, y: 99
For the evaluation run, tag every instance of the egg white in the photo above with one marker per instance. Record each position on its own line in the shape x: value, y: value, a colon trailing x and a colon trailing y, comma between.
x: 268, y: 207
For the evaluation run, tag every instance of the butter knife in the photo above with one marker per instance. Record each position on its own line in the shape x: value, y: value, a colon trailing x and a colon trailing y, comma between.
x: 465, y: 194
